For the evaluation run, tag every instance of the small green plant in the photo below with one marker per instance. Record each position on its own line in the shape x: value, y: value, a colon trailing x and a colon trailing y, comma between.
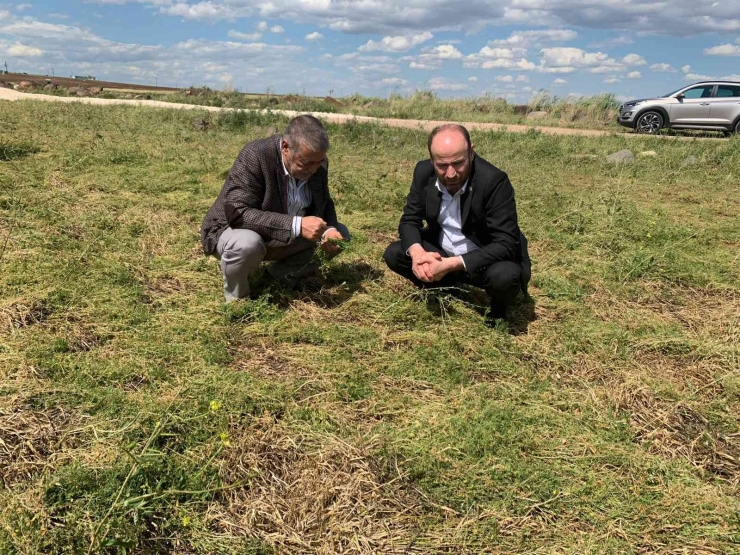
x: 322, y: 258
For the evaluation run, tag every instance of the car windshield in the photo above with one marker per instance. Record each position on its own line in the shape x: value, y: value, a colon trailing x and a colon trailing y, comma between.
x: 672, y: 93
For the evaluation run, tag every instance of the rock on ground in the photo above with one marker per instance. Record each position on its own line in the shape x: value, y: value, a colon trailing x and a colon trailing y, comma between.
x: 622, y: 157
x: 201, y: 124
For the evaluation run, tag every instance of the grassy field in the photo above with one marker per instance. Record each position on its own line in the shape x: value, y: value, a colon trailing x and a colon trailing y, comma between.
x: 139, y: 414
x: 597, y: 112
x: 592, y: 112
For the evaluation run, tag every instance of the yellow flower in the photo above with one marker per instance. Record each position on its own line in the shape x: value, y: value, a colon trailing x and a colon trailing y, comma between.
x: 215, y: 405
x: 225, y: 439
x: 186, y: 521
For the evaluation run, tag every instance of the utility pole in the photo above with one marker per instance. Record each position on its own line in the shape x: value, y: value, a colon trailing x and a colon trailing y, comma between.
x: 52, y: 72
x: 6, y: 67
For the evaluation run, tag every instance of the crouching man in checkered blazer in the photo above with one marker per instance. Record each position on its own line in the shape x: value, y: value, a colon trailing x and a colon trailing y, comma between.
x: 275, y: 205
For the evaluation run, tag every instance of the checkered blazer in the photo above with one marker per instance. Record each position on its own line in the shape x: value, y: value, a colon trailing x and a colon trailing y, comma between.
x: 255, y: 196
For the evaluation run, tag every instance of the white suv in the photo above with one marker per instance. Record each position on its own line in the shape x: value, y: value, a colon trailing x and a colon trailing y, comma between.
x: 708, y: 105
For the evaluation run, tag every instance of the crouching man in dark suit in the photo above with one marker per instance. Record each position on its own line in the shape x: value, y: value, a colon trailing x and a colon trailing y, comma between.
x: 459, y: 224
x: 275, y: 205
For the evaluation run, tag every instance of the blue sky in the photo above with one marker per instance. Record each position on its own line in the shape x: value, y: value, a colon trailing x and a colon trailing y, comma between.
x: 457, y: 48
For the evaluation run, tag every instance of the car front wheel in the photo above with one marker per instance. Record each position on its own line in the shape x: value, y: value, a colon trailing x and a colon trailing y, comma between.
x: 737, y: 128
x: 649, y: 123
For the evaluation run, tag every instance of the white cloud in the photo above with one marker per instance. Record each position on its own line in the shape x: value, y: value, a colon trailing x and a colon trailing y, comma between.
x: 208, y: 11
x: 442, y: 84
x: 394, y: 81
x: 277, y: 29
x: 634, y: 60
x: 568, y: 59
x: 312, y: 37
x: 559, y: 82
x: 499, y: 58
x: 445, y: 52
x: 612, y: 80
x: 504, y: 78
x: 634, y: 75
x: 505, y: 63
x: 607, y: 69
x: 667, y: 68
x: 376, y: 68
x: 57, y: 16
x: 23, y: 51
x: 526, y: 39
x: 249, y: 37
x: 423, y: 65
x: 723, y: 50
x: 685, y: 69
x: 4, y: 14
x: 433, y: 58
x: 488, y: 52
x: 568, y: 56
x: 397, y: 43
x: 733, y: 77
x: 564, y: 69
x: 679, y: 18
x: 23, y: 7
x: 263, y: 26
x: 473, y: 79
x: 72, y: 49
x: 697, y: 77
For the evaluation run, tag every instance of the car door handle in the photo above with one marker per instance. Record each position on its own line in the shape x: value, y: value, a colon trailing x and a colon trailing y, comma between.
x: 704, y: 104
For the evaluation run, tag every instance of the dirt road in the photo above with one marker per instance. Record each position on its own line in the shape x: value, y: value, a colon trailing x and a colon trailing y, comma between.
x: 428, y: 125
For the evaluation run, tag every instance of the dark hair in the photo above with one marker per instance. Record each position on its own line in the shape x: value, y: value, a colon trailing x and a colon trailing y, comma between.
x: 448, y: 127
x: 307, y: 131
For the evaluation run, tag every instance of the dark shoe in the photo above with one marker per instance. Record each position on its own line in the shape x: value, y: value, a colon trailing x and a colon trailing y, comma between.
x: 497, y: 311
x: 496, y: 316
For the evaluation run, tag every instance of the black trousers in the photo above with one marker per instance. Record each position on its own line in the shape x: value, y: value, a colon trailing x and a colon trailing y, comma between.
x: 501, y: 280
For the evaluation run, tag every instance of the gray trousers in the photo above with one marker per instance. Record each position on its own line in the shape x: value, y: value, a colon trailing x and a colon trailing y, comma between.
x: 241, y: 251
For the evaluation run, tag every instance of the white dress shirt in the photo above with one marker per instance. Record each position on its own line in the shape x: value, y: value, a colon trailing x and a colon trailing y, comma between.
x: 299, y: 198
x: 451, y: 237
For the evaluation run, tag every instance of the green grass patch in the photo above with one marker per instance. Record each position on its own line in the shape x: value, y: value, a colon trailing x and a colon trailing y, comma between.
x: 138, y: 413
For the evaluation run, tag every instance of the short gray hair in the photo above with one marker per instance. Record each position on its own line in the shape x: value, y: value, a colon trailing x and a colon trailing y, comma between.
x: 307, y: 131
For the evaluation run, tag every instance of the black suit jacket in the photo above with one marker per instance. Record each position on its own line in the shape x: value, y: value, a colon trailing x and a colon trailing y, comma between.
x: 255, y: 196
x: 487, y: 208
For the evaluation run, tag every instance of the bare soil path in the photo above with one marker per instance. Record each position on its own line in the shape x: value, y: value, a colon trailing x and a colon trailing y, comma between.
x: 428, y: 125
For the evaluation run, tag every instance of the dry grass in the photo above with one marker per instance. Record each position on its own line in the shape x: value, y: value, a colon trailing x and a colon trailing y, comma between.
x: 22, y: 314
x: 314, y: 494
x: 30, y: 439
x: 675, y: 430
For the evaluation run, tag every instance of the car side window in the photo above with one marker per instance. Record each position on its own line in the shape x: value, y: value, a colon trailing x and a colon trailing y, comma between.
x: 728, y: 91
x: 699, y: 92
